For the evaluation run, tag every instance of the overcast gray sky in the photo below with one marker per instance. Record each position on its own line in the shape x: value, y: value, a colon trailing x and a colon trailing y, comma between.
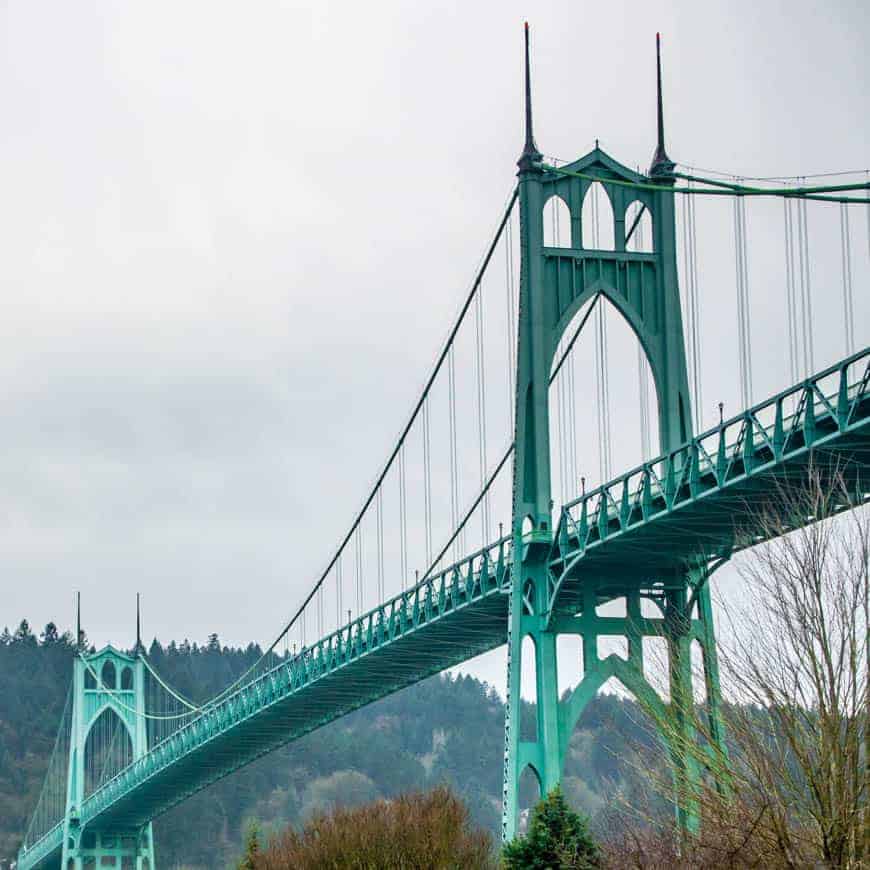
x: 234, y: 236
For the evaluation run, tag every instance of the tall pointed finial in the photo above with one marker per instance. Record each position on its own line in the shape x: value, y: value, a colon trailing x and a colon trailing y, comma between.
x: 531, y: 156
x: 138, y: 626
x: 661, y: 165
x: 78, y: 619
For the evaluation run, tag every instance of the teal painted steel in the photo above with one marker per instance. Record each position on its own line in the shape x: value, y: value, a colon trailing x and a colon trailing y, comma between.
x: 461, y: 612
x: 654, y: 534
x: 555, y: 283
x: 91, y: 701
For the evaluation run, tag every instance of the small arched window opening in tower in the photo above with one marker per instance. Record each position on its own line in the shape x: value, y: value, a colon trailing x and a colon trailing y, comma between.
x: 528, y: 689
x: 597, y: 219
x: 107, y: 675
x: 127, y: 679
x: 529, y: 793
x: 557, y: 223
x: 638, y: 228
x: 528, y: 526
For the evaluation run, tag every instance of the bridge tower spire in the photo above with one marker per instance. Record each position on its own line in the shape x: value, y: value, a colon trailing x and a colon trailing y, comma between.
x: 530, y: 156
x: 662, y: 166
x: 555, y: 283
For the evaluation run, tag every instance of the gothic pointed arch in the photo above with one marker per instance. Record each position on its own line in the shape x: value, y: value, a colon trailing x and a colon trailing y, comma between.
x: 108, y: 749
x: 108, y: 675
x: 598, y: 219
x: 557, y: 223
x: 638, y: 227
x: 580, y: 458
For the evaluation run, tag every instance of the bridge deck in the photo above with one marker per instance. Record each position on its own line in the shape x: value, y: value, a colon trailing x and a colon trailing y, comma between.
x: 644, y: 524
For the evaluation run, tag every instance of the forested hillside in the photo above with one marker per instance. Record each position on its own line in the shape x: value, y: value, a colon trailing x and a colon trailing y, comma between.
x: 440, y: 730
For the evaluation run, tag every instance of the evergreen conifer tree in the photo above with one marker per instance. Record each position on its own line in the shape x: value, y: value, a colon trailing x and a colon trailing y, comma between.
x: 252, y: 847
x: 557, y: 838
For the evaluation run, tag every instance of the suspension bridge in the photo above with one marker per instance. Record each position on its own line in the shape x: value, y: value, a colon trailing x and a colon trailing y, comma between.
x: 587, y: 239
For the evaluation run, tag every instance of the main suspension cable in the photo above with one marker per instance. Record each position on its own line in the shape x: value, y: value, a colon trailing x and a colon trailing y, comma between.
x: 510, y: 449
x: 394, y: 453
x: 721, y: 188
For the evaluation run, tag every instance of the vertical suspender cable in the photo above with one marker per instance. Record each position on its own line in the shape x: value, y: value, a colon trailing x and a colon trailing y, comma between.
x: 338, y: 610
x: 564, y: 389
x: 427, y: 482
x: 358, y: 576
x: 687, y: 288
x: 380, y: 519
x: 572, y: 425
x: 403, y: 517
x: 806, y: 294
x: 746, y: 306
x: 320, y: 612
x: 742, y: 276
x: 846, y: 253
x: 454, y: 472
x: 695, y: 314
x: 738, y: 274
x: 791, y: 295
x: 601, y: 362
x: 643, y: 389
x: 481, y: 408
x: 601, y: 322
x: 567, y: 477
x: 643, y: 373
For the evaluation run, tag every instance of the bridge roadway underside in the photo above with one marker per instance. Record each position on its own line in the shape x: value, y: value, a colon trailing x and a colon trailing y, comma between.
x: 454, y: 637
x: 717, y: 521
x: 655, y: 549
x: 712, y: 520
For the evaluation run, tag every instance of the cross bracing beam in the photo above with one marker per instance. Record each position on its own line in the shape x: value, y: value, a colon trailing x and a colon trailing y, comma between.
x: 645, y: 523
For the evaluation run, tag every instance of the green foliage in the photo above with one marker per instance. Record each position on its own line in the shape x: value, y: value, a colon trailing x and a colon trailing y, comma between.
x: 443, y: 730
x: 252, y: 847
x: 557, y: 838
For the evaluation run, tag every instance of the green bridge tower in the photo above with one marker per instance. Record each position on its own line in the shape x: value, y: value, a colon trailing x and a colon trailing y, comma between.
x: 108, y: 725
x: 554, y: 284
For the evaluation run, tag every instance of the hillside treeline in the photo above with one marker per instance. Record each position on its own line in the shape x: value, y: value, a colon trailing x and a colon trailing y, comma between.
x: 443, y: 730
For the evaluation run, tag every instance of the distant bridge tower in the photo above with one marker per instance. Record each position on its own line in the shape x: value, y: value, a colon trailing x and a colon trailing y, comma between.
x: 108, y: 731
x: 643, y: 287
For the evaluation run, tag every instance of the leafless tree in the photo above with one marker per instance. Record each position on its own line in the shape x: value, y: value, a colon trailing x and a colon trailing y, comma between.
x: 792, y: 788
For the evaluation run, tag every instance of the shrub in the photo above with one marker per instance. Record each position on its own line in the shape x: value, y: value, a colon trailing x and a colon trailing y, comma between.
x: 423, y: 831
